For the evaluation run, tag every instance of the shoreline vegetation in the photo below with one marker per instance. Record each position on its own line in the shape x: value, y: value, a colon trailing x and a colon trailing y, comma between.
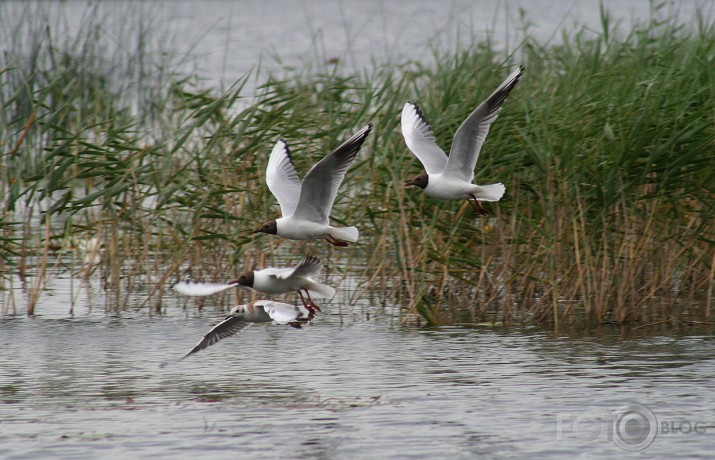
x: 126, y: 169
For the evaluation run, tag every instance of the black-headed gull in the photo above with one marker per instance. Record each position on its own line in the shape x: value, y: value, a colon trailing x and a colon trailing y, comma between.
x: 451, y: 178
x: 260, y: 311
x: 270, y: 281
x: 305, y: 207
x: 281, y: 280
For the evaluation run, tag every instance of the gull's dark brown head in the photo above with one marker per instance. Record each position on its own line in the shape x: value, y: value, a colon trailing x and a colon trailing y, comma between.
x: 269, y: 227
x: 419, y: 180
x: 246, y: 279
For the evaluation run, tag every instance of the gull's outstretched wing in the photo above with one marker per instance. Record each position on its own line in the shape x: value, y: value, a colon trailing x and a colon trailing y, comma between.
x: 282, y: 178
x: 420, y: 139
x: 321, y: 184
x: 471, y: 134
x: 309, y: 266
x: 198, y: 289
x: 226, y: 328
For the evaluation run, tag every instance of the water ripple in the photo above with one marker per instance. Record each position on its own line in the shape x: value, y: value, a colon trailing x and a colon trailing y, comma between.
x: 92, y: 387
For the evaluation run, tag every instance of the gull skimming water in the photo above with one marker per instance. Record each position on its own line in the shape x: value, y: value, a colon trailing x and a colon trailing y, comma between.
x: 260, y: 311
x: 305, y: 207
x: 451, y: 178
x: 270, y: 281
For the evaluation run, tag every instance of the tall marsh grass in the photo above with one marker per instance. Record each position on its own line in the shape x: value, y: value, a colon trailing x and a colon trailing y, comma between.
x: 607, y: 148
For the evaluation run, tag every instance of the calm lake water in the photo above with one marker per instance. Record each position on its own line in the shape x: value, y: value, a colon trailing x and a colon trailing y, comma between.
x: 222, y: 40
x: 351, y: 385
x: 347, y: 386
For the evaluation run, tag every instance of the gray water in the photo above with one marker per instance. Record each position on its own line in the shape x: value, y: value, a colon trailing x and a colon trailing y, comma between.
x: 228, y: 38
x: 353, y: 384
x: 350, y: 387
x: 222, y: 40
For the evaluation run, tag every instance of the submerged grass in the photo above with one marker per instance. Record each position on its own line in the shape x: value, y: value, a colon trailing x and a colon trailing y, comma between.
x: 607, y: 148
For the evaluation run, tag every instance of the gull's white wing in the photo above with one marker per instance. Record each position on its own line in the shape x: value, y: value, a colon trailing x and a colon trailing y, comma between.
x: 284, y: 313
x: 282, y: 178
x: 471, y: 134
x: 281, y: 313
x: 320, y: 185
x: 226, y: 328
x: 195, y: 289
x: 420, y: 139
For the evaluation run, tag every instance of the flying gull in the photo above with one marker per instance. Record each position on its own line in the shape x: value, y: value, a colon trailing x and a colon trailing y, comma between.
x: 270, y: 281
x: 451, y: 178
x: 260, y: 311
x: 305, y: 207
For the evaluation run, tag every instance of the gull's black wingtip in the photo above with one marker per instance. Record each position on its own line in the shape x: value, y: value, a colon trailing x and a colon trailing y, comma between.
x: 166, y: 363
x: 363, y: 133
x: 287, y: 150
x: 310, y: 259
x: 421, y: 115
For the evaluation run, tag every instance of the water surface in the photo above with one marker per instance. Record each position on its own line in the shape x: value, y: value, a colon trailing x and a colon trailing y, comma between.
x: 222, y: 40
x: 91, y: 387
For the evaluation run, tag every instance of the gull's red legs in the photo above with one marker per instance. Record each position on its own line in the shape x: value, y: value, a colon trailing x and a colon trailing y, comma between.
x: 477, y: 207
x: 312, y: 307
x: 338, y: 243
x: 311, y: 301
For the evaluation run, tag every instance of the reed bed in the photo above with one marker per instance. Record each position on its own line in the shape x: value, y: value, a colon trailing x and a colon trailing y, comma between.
x: 607, y: 148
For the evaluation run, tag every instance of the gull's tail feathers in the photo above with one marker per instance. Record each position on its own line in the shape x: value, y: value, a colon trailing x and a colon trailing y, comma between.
x: 345, y: 233
x: 491, y: 192
x: 321, y: 291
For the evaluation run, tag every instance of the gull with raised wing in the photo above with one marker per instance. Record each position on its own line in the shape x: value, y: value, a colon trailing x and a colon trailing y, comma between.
x: 270, y: 281
x: 305, y: 207
x: 451, y: 178
x: 260, y: 311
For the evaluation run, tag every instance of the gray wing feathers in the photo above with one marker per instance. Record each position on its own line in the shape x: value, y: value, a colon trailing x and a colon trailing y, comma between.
x: 282, y: 178
x: 309, y: 266
x: 226, y: 328
x: 320, y: 185
x: 471, y: 134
